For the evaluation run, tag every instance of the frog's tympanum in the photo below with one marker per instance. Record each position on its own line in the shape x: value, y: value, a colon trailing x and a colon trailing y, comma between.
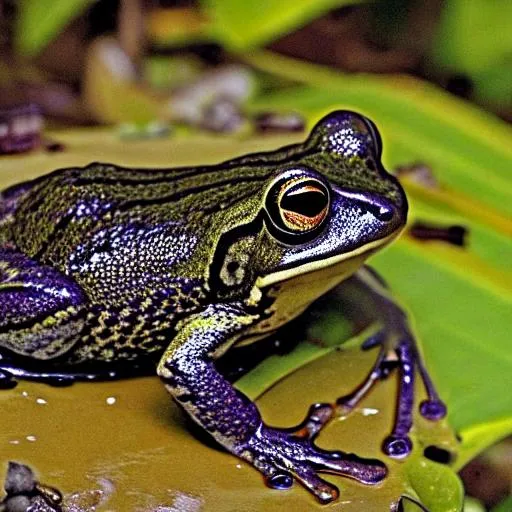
x: 105, y: 265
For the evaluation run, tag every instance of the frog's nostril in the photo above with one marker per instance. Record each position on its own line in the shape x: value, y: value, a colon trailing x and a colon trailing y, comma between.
x: 379, y: 208
x: 385, y: 213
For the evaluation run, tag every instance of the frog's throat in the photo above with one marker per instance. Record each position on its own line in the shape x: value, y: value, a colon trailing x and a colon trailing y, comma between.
x: 311, y: 266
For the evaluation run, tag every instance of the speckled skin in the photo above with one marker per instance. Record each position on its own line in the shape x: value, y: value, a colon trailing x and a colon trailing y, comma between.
x: 105, y: 264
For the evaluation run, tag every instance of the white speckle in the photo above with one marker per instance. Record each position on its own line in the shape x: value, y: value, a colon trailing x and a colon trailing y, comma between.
x: 95, y: 258
x: 14, y: 441
x: 406, y: 367
x: 239, y: 466
x: 407, y: 379
x: 31, y: 438
x: 41, y: 401
x: 24, y: 393
x: 111, y: 400
x: 369, y: 411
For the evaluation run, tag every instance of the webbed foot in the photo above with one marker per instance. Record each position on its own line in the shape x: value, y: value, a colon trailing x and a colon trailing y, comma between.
x: 398, y: 351
x: 402, y: 356
x: 282, y: 456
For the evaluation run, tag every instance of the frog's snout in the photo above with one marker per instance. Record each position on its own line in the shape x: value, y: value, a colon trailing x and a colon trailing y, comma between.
x: 384, y: 210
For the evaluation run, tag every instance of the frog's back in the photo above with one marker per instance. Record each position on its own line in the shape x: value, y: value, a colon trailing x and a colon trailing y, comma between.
x: 54, y: 214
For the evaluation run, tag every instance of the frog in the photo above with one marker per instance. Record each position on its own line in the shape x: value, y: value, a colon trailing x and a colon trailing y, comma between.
x: 108, y: 266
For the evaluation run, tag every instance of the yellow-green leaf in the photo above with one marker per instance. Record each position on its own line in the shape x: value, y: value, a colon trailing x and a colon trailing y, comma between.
x: 40, y: 21
x: 242, y: 25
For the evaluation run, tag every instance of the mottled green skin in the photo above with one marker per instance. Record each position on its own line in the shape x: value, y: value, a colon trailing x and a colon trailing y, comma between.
x: 133, y: 302
x: 105, y: 264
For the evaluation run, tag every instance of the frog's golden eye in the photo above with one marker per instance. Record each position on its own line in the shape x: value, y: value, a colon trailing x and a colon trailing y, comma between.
x: 303, y: 205
x: 297, y: 206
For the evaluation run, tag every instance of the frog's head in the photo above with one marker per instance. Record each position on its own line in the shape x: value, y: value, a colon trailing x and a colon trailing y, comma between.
x: 326, y: 206
x: 336, y: 204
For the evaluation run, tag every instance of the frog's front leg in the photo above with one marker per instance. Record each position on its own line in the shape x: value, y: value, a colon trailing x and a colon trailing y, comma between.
x: 188, y: 372
x: 366, y: 297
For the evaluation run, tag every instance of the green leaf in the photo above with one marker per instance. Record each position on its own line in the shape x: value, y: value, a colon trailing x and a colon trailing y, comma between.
x: 242, y: 25
x: 463, y: 41
x: 463, y: 44
x: 437, y: 486
x: 504, y: 506
x: 40, y: 21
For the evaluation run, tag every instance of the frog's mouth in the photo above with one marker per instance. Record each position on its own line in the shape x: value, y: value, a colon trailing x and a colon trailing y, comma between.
x: 292, y: 291
x: 352, y: 259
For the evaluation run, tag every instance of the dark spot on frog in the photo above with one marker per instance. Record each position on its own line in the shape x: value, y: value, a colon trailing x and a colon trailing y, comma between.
x: 111, y: 321
x: 455, y: 235
x: 104, y: 246
x: 232, y: 266
x: 185, y: 398
x: 438, y: 454
x: 370, y: 164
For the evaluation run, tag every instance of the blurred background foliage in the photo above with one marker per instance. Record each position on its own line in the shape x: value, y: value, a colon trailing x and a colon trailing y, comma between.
x: 463, y: 45
x: 435, y: 75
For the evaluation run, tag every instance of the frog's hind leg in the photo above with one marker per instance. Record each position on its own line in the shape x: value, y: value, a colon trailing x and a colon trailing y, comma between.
x: 41, y: 309
x: 366, y: 295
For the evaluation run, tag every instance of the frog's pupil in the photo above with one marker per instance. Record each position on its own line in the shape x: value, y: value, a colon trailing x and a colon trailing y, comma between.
x: 308, y: 203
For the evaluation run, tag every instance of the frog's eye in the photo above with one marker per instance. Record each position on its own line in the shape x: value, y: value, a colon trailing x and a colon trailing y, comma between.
x: 298, y: 206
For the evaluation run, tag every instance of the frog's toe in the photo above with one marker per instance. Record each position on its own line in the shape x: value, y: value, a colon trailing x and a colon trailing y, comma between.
x: 280, y: 481
x: 322, y: 490
x: 374, y: 340
x: 397, y: 447
x: 282, y: 457
x: 433, y: 409
x: 317, y: 417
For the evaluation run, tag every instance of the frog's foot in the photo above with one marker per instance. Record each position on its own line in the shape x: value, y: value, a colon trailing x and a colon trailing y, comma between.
x: 281, y: 456
x: 406, y: 359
